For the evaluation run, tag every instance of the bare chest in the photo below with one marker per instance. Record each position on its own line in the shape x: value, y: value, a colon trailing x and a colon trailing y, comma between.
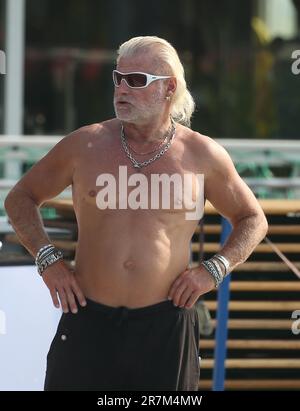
x: 105, y: 180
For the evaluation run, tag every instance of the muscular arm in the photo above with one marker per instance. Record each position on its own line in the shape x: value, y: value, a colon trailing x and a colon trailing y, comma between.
x: 25, y: 217
x: 46, y: 179
x: 234, y: 200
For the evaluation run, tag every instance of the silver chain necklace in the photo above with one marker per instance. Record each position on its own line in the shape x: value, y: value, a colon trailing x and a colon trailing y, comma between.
x: 158, y: 146
x: 138, y: 164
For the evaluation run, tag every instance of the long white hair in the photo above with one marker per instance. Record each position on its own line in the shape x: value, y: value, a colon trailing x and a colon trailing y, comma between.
x: 182, y: 103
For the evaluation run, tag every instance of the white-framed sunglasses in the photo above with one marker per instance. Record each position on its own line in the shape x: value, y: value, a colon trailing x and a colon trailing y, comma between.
x: 136, y: 79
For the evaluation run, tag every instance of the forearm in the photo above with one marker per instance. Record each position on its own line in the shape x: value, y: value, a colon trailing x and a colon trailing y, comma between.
x: 245, y: 236
x: 25, y: 217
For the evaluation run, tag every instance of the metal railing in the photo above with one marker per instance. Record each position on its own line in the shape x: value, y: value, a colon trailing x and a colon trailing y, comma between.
x: 255, y: 160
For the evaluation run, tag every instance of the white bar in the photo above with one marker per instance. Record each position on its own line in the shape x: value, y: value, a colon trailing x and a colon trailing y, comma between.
x: 230, y: 144
x: 275, y: 182
x: 283, y: 145
x: 29, y: 141
x: 14, y: 78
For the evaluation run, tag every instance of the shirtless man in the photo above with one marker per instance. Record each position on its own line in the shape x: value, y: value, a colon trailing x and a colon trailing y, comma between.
x: 129, y: 320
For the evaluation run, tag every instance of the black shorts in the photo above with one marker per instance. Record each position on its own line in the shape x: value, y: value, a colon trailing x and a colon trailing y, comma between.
x: 103, y: 348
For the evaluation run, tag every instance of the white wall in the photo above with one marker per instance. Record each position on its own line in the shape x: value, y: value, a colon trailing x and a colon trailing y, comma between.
x: 28, y: 322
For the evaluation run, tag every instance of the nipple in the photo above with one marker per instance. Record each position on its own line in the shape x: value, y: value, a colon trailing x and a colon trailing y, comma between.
x: 92, y: 193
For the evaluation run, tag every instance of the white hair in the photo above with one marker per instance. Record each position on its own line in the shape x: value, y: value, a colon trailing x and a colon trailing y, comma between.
x: 182, y: 103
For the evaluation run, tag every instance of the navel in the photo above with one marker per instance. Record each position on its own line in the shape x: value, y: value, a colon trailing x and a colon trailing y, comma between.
x: 129, y: 264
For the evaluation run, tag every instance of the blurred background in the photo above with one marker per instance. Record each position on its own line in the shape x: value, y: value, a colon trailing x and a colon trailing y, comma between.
x: 237, y: 56
x: 238, y: 61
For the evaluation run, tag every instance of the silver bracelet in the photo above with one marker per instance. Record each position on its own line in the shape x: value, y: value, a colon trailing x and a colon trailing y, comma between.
x: 217, y: 264
x: 49, y: 260
x: 224, y: 261
x: 42, y: 250
x: 213, y: 270
x: 45, y: 254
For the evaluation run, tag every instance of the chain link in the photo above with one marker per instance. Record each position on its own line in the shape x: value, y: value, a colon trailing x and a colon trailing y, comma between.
x: 138, y: 164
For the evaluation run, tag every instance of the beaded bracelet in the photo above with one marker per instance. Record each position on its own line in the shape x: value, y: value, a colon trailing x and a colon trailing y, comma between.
x: 214, y: 271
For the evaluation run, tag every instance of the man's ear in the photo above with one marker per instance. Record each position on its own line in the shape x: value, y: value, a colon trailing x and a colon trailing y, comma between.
x: 172, y: 85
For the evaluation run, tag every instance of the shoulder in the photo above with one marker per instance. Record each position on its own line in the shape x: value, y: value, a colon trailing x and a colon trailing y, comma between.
x: 89, y: 133
x: 209, y: 151
x: 90, y: 130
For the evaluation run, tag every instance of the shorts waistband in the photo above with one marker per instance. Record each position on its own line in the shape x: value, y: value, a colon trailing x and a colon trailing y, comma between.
x: 162, y: 306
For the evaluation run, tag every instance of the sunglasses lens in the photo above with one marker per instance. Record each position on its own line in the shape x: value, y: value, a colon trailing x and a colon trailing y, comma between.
x: 136, y: 79
x: 117, y: 78
x: 132, y: 79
